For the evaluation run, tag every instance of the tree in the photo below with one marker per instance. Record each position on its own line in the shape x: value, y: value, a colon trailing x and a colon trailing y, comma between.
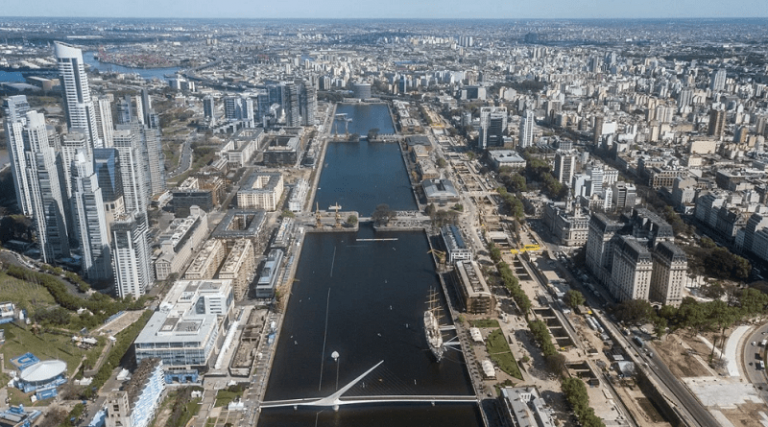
x: 373, y: 133
x: 287, y: 214
x: 383, y: 214
x: 574, y: 298
x: 556, y: 363
x: 352, y: 220
x: 634, y: 312
x: 441, y: 162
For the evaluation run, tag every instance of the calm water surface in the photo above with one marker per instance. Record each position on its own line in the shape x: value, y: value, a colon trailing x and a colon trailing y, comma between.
x: 371, y: 296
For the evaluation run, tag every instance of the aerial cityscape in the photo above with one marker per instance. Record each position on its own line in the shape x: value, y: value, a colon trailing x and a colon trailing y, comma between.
x: 428, y: 220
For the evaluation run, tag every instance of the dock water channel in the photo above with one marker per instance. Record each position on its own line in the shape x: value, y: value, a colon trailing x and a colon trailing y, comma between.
x: 365, y: 301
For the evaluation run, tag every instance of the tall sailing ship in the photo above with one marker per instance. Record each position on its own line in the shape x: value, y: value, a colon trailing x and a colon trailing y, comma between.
x: 432, y: 327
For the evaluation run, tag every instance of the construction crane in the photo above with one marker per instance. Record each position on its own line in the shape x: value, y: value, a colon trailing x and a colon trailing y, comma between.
x: 440, y: 255
x: 337, y: 208
x: 318, y: 223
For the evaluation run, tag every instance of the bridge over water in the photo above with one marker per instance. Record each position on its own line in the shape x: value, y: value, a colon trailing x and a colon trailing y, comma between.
x: 335, y: 400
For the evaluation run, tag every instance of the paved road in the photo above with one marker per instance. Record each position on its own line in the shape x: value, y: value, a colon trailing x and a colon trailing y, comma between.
x: 754, y: 375
x: 185, y: 162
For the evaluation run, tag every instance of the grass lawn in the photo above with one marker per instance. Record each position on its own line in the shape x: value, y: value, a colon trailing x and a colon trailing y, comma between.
x: 28, y: 295
x: 223, y: 397
x: 45, y: 346
x: 499, y: 352
x: 193, y: 407
x: 485, y: 323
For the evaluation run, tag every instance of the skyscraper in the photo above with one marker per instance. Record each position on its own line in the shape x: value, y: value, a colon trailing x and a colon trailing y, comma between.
x: 526, y: 129
x: 77, y: 94
x: 565, y: 164
x: 124, y: 115
x: 46, y: 198
x: 128, y: 145
x: 107, y: 168
x: 131, y: 254
x: 599, y: 120
x: 718, y: 80
x: 155, y: 159
x: 104, y: 123
x: 292, y: 107
x: 716, y: 123
x: 15, y: 109
x: 89, y: 217
x: 209, y: 109
x: 493, y: 126
x: 308, y: 104
x: 71, y: 143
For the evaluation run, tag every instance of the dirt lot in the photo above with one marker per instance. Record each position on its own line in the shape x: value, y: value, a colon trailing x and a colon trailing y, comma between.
x: 747, y: 415
x: 677, y: 358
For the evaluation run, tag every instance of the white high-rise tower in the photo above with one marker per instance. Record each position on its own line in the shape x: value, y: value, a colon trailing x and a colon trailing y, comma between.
x: 89, y: 216
x: 77, y: 94
x: 15, y: 109
x: 47, y: 202
x: 526, y: 129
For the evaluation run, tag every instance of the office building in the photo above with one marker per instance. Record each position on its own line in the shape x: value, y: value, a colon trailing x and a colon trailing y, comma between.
x: 179, y: 241
x: 238, y: 224
x: 71, y: 144
x: 308, y: 104
x: 565, y: 165
x: 598, y: 132
x: 104, y: 123
x: 124, y: 114
x: 568, y: 223
x: 291, y: 106
x: 631, y: 270
x: 185, y: 331
x: 89, y: 217
x: 524, y: 407
x: 493, y: 127
x: 155, y: 160
x: 716, y: 123
x: 474, y: 291
x: 526, y: 129
x: 261, y: 191
x: 361, y: 91
x: 718, y: 81
x: 47, y: 200
x: 15, y: 110
x: 624, y: 195
x: 130, y: 251
x: 599, y: 249
x: 456, y: 246
x: 209, y: 109
x: 128, y: 144
x: 239, y: 266
x: 207, y: 261
x: 77, y: 95
x: 670, y: 274
x: 107, y: 167
x: 298, y: 196
x: 507, y: 158
x: 270, y: 275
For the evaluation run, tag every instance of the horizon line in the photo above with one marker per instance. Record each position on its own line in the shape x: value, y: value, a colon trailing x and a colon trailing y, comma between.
x: 713, y: 18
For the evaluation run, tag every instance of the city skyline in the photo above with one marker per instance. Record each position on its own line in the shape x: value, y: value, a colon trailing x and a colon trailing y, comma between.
x: 397, y: 9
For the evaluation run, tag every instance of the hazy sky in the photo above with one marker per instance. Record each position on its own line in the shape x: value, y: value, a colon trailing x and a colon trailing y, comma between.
x: 504, y: 9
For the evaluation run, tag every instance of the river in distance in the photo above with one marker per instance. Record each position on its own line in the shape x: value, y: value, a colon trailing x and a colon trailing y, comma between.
x: 145, y: 73
x: 372, y: 296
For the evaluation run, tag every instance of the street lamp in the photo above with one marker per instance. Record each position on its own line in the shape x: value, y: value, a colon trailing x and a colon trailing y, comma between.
x: 335, y: 356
